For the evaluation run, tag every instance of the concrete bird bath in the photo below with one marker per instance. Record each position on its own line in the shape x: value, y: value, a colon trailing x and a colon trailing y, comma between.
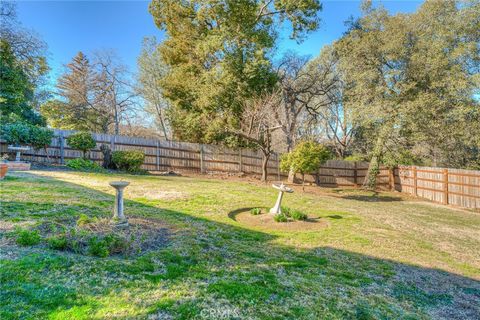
x: 18, y: 150
x: 277, y: 209
x: 119, y: 219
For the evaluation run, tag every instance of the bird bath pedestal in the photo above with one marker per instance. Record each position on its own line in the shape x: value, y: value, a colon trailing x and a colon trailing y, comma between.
x: 119, y: 219
x: 277, y: 208
x: 18, y: 150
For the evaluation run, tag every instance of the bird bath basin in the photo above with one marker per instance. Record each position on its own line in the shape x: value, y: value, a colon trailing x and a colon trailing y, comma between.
x: 18, y: 150
x: 277, y: 208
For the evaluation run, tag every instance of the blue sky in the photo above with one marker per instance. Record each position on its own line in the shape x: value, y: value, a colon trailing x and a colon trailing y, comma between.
x: 72, y: 26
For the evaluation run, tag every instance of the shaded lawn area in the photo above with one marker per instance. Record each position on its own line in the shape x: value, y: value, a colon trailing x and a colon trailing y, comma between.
x: 378, y: 257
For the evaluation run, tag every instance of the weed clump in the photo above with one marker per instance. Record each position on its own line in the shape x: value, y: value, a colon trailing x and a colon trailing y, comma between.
x: 26, y: 237
x: 281, y: 217
x: 256, y: 211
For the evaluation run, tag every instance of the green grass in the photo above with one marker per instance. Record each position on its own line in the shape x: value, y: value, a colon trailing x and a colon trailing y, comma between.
x: 379, y: 256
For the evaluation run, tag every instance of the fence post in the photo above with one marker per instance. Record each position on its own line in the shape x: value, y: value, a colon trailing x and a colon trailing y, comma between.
x: 240, y: 163
x: 158, y: 156
x: 355, y: 174
x: 445, y: 186
x: 391, y: 178
x: 112, y: 143
x: 202, y: 169
x: 62, y: 148
x: 414, y: 180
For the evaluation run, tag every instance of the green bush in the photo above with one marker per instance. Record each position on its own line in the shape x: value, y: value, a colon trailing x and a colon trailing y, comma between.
x: 128, y: 160
x: 298, y: 215
x: 306, y: 157
x: 40, y: 138
x: 98, y: 247
x: 82, y: 141
x: 26, y: 237
x: 58, y: 242
x: 17, y: 133
x: 280, y: 217
x: 256, y: 211
x: 84, y: 165
x: 294, y: 214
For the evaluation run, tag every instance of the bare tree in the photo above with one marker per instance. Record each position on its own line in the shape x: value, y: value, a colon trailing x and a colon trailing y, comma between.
x: 305, y: 87
x: 98, y: 95
x: 114, y: 89
x: 257, y: 125
x: 151, y: 71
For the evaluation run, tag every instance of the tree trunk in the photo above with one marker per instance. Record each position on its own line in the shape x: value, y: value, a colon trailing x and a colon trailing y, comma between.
x: 370, y: 181
x: 162, y: 123
x: 303, y: 182
x: 291, y: 176
x: 264, y: 167
x: 46, y: 153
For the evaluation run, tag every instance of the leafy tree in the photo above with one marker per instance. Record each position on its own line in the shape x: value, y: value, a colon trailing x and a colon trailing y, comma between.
x: 306, y: 157
x: 20, y: 133
x: 29, y: 52
x: 413, y: 77
x: 82, y: 141
x: 16, y: 90
x: 40, y: 138
x: 218, y: 55
x: 16, y: 134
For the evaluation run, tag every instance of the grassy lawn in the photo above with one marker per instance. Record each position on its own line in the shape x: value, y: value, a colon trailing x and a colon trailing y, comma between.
x: 360, y: 257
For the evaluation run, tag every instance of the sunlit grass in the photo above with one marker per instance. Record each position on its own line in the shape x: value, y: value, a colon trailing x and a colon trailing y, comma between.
x: 378, y: 256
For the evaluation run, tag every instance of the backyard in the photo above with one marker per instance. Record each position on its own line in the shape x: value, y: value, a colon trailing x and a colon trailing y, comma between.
x: 360, y: 255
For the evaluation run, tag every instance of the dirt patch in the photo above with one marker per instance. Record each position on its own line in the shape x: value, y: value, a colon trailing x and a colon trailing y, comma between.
x: 141, y: 236
x: 266, y: 222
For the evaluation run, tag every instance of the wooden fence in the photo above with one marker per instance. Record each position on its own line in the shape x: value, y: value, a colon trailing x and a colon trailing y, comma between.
x: 160, y: 155
x: 447, y: 186
x: 444, y: 185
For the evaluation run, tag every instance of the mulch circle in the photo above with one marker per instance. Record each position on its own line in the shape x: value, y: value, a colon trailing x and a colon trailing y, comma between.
x: 265, y: 221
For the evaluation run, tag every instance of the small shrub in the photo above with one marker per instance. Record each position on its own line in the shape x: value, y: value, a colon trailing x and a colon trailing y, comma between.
x: 84, y: 219
x: 306, y: 157
x: 40, y: 138
x: 256, y: 211
x: 17, y: 133
x: 84, y: 165
x: 98, y: 247
x: 280, y: 217
x: 298, y: 215
x: 82, y: 141
x: 58, y: 242
x: 26, y: 237
x: 128, y: 160
x: 115, y: 244
x: 286, y: 211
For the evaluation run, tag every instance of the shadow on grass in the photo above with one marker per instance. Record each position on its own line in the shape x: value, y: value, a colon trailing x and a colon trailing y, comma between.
x: 233, y: 214
x: 224, y: 266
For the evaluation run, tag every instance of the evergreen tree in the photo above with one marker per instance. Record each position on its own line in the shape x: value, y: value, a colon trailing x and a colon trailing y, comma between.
x: 219, y: 54
x: 16, y: 90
